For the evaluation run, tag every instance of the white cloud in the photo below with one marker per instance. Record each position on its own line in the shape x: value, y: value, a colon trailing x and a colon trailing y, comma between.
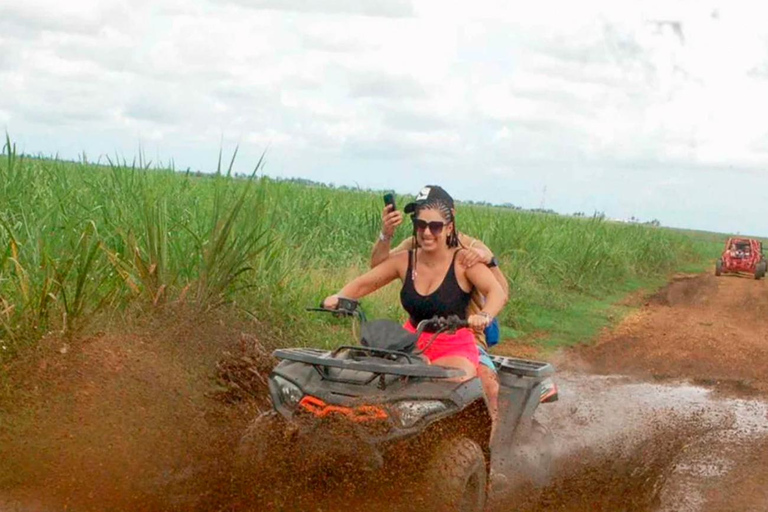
x: 382, y: 8
x: 384, y: 86
x: 578, y: 91
x: 83, y: 16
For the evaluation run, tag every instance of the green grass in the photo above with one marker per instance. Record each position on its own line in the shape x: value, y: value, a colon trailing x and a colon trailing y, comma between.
x: 586, y: 316
x: 83, y: 243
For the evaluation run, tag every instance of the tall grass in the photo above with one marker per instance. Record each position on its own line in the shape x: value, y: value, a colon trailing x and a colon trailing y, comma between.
x: 78, y: 240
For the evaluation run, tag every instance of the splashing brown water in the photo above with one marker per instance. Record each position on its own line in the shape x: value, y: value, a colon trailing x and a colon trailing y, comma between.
x: 150, y: 420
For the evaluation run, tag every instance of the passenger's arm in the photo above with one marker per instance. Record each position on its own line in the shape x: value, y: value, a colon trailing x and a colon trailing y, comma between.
x: 480, y: 252
x: 501, y: 279
x: 390, y: 219
x: 381, y: 250
x: 484, y: 254
x: 481, y: 278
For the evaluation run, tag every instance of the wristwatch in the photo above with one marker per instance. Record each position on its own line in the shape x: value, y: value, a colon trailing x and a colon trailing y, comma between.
x: 494, y: 262
x: 383, y: 237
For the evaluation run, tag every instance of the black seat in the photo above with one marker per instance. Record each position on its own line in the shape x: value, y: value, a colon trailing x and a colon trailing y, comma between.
x: 389, y: 335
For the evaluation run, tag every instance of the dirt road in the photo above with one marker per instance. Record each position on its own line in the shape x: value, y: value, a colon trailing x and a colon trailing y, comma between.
x: 667, y: 412
x: 710, y: 330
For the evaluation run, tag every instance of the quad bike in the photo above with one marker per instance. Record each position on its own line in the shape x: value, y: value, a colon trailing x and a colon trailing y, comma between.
x: 742, y: 255
x: 380, y: 406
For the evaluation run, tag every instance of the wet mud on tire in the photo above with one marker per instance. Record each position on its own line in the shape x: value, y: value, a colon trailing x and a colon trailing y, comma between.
x: 455, y: 478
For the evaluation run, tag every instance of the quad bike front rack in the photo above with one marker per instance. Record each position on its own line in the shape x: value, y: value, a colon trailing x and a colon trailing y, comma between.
x: 323, y: 359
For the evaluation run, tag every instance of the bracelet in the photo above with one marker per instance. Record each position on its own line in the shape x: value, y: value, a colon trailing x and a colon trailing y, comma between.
x: 383, y: 237
x: 486, y: 315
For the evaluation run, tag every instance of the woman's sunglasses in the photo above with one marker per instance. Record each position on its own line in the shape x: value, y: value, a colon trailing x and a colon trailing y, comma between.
x: 435, y: 226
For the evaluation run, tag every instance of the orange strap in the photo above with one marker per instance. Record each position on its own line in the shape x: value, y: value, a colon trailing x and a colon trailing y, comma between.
x: 358, y: 414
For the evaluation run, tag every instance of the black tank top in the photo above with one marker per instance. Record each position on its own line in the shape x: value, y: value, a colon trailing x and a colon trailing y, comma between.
x: 448, y: 299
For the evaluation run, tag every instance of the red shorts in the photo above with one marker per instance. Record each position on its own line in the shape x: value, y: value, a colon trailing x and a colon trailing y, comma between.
x: 458, y: 344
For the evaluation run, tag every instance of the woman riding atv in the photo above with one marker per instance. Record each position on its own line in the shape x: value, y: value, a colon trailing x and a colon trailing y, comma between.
x: 434, y: 284
x: 477, y: 253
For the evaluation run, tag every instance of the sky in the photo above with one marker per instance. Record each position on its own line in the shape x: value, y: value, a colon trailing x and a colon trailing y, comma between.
x: 652, y: 109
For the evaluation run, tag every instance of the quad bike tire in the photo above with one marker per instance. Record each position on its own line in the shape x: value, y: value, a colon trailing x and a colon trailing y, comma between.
x: 718, y: 267
x: 760, y: 270
x: 456, y: 477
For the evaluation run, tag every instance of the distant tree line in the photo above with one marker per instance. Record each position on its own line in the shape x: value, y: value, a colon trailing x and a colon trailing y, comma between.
x: 547, y: 211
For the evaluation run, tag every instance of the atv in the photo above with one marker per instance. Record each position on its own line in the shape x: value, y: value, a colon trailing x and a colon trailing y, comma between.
x: 380, y: 406
x: 742, y: 255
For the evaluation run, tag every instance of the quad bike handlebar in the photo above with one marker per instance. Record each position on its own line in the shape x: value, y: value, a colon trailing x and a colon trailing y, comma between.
x: 351, y: 308
x: 345, y: 307
x: 442, y: 324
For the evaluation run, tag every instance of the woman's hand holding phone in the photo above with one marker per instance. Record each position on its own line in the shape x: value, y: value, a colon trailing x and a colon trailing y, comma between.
x: 390, y: 217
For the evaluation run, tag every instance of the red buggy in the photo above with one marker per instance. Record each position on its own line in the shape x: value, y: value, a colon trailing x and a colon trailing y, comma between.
x: 742, y: 255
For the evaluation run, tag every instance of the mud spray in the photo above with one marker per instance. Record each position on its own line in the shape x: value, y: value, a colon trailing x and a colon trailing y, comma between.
x: 150, y: 421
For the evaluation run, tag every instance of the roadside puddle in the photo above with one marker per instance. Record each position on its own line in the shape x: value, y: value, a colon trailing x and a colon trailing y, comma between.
x: 637, y: 446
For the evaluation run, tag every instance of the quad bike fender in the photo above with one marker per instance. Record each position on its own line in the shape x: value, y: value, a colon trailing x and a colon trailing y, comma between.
x: 519, y: 397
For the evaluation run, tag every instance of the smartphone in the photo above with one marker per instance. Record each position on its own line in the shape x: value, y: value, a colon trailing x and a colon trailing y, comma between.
x: 389, y: 198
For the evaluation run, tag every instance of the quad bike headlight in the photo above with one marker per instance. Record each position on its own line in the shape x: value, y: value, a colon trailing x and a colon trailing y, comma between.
x: 289, y: 393
x: 408, y: 413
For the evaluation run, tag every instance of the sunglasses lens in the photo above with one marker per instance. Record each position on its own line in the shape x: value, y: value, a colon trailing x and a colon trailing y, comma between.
x: 435, y: 227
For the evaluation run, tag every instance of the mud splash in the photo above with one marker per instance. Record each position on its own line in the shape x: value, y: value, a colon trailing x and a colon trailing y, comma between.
x: 640, y: 447
x: 130, y: 422
x: 116, y: 421
x: 621, y: 445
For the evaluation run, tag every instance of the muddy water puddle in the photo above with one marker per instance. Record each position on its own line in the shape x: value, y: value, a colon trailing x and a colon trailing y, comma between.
x: 638, y: 446
x: 620, y: 445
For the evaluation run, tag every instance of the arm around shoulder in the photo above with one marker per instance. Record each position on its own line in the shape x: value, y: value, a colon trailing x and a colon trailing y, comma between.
x: 501, y: 279
x: 495, y: 297
x: 486, y: 256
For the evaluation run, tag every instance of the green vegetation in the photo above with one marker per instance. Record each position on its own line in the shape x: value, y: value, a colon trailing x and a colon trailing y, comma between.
x: 82, y: 244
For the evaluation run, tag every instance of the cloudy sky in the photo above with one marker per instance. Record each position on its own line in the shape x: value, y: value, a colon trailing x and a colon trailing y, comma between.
x: 657, y: 109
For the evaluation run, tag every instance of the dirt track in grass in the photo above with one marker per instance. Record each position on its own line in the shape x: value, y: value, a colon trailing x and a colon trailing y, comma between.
x: 667, y: 411
x: 691, y: 368
x: 711, y: 330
